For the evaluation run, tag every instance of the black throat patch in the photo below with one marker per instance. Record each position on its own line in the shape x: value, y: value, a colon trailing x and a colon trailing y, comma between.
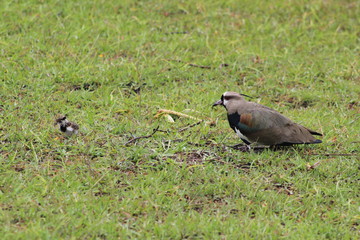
x: 234, y: 120
x: 63, y: 127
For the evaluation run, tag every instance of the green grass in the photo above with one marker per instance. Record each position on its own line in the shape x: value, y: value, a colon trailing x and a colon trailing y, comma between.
x: 111, y: 65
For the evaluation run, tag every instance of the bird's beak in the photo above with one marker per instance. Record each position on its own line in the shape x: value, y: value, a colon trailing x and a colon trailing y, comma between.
x: 218, y: 103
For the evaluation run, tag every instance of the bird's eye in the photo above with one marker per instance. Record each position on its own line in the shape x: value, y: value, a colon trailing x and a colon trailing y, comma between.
x: 227, y: 98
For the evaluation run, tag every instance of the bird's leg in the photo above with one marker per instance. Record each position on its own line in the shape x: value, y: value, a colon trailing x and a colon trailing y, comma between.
x: 244, y: 148
x: 248, y: 147
x: 237, y: 145
x: 258, y: 149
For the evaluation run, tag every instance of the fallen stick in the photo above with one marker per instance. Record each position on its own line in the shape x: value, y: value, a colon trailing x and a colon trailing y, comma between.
x: 191, y: 64
x: 166, y: 111
x: 309, y: 167
x: 184, y: 32
x: 190, y: 126
x: 199, y: 66
x: 147, y: 136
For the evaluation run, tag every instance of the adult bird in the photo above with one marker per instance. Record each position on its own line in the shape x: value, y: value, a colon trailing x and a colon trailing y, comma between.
x: 255, y: 123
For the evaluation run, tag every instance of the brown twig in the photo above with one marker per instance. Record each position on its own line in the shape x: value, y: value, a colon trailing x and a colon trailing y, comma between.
x: 184, y: 32
x: 309, y: 167
x: 199, y: 66
x: 190, y: 126
x: 147, y: 136
x: 191, y: 64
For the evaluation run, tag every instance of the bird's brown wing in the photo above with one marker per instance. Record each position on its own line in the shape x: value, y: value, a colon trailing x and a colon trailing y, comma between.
x: 75, y: 126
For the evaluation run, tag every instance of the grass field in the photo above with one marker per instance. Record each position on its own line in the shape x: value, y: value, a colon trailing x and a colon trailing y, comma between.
x: 111, y: 65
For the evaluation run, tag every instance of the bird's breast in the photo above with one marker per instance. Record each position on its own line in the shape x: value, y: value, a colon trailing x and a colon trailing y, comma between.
x: 242, y: 136
x: 62, y: 128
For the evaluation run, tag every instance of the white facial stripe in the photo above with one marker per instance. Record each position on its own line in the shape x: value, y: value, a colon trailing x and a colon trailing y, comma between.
x: 225, y: 102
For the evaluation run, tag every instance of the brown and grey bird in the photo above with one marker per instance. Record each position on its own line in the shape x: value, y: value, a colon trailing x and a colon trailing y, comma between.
x: 69, y: 128
x: 255, y: 123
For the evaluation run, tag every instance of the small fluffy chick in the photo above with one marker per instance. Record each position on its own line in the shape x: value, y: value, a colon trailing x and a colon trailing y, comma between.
x: 69, y: 128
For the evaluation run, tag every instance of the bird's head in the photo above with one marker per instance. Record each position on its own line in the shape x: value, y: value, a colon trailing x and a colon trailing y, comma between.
x: 229, y: 97
x: 60, y: 120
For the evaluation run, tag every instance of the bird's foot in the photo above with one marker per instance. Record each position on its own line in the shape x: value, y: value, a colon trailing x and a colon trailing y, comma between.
x: 242, y: 148
x: 236, y: 146
x: 248, y: 148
